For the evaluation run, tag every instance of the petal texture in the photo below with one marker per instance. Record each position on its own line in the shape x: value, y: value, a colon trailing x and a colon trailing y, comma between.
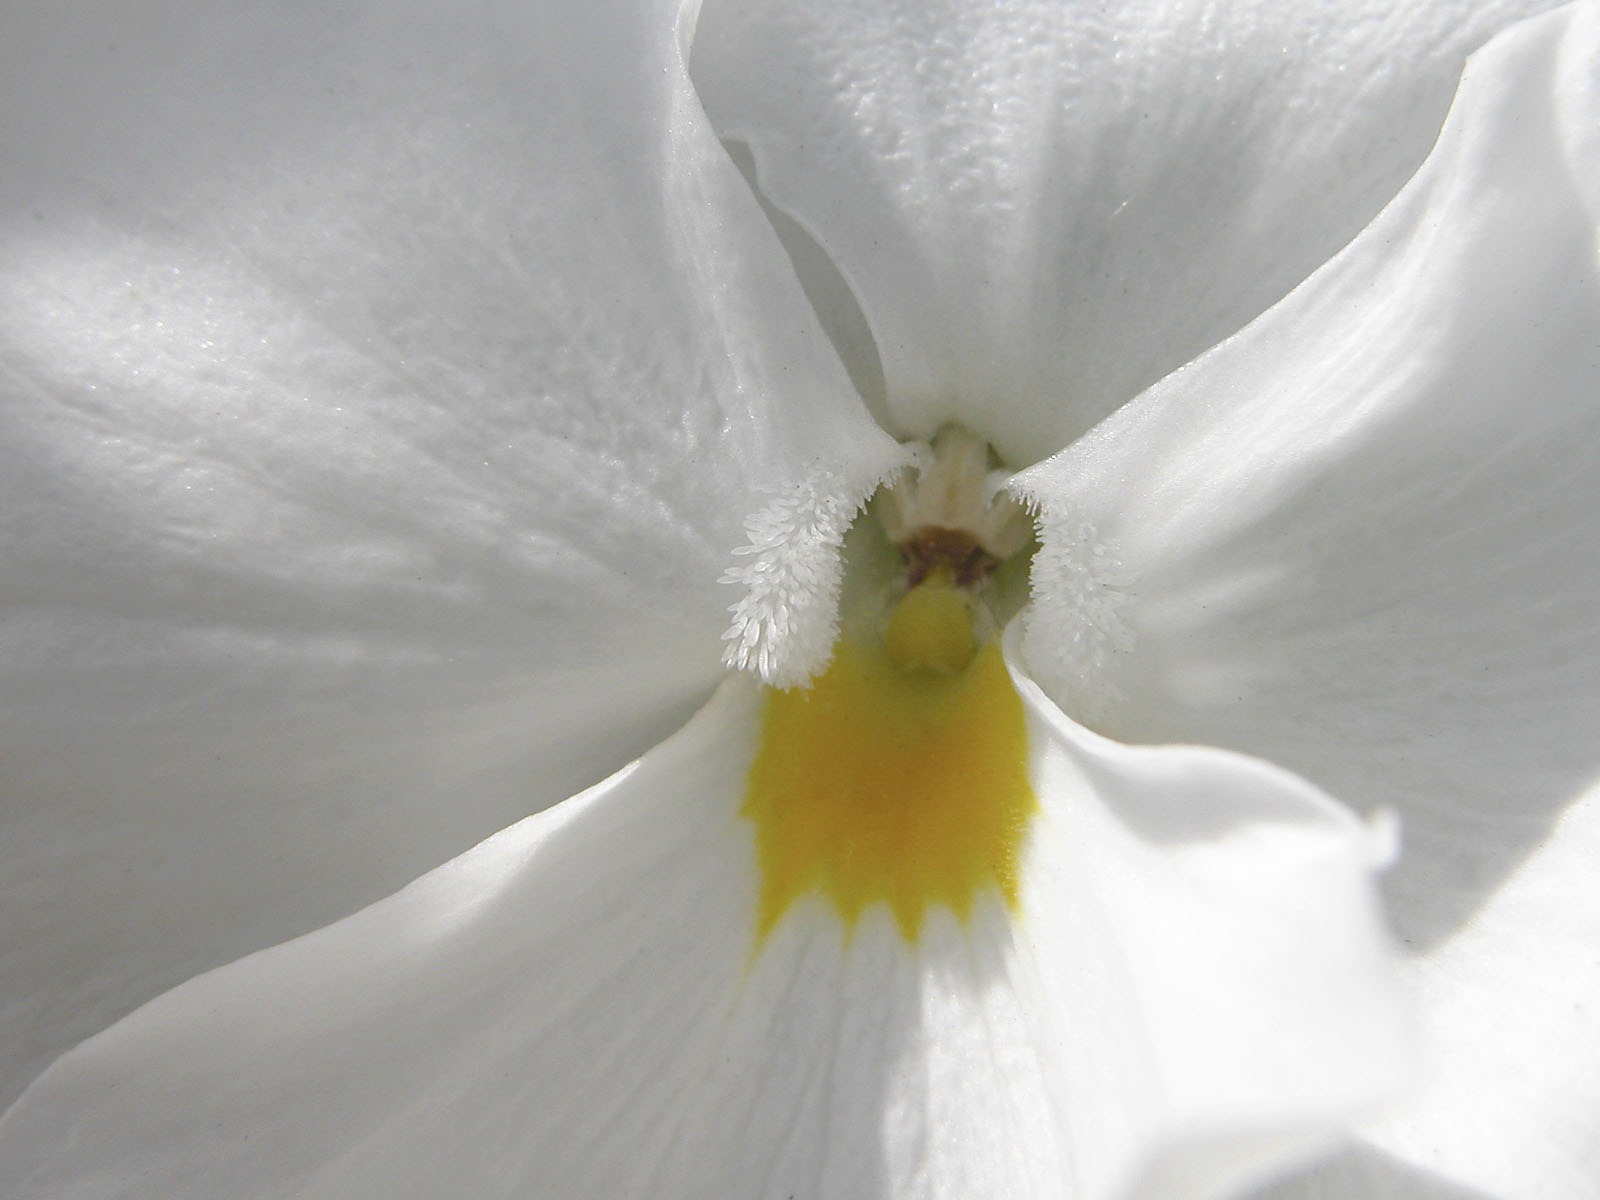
x: 1044, y: 207
x: 381, y: 395
x: 1358, y: 539
x: 580, y: 1007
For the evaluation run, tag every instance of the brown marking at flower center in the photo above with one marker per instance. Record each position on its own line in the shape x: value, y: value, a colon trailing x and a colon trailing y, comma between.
x: 957, y: 550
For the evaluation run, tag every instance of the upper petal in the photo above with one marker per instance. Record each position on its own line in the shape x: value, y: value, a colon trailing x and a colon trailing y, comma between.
x: 1196, y: 988
x: 381, y: 393
x: 1044, y: 207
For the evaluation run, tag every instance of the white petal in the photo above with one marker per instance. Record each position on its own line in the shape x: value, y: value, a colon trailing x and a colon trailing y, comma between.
x: 1511, y: 1102
x: 1217, y: 983
x: 580, y: 1007
x: 382, y: 393
x: 1045, y: 207
x: 1509, y: 1106
x: 1359, y: 540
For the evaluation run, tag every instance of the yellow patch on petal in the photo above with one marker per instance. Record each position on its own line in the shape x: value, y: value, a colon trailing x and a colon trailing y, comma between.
x: 897, y: 777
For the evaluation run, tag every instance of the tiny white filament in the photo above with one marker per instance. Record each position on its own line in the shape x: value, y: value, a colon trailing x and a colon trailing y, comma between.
x: 786, y: 622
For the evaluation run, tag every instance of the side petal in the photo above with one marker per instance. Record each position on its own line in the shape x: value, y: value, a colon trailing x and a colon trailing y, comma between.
x: 1043, y: 207
x: 1359, y: 539
x: 1216, y: 982
x: 1506, y: 1107
x: 381, y: 394
x: 581, y: 1007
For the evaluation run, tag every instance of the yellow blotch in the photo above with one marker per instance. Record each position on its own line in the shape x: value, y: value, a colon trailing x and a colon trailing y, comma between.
x: 897, y: 777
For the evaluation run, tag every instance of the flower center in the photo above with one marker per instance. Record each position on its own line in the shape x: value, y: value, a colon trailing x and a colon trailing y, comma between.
x: 900, y: 775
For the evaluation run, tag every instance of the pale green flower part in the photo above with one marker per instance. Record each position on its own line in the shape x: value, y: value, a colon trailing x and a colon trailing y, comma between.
x: 385, y: 393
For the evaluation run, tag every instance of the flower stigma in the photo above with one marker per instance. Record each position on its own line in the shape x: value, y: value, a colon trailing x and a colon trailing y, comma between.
x: 899, y: 776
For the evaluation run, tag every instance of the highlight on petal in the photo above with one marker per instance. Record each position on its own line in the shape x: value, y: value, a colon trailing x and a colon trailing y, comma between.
x: 1211, y: 962
x: 1359, y: 540
x: 1509, y: 1104
x: 381, y: 391
x: 1193, y: 988
x: 1045, y: 207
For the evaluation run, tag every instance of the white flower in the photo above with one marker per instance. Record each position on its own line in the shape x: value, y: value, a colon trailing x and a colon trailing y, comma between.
x: 385, y: 394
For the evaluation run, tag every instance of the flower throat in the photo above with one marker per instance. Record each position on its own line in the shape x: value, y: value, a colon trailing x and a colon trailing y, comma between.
x: 899, y: 776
